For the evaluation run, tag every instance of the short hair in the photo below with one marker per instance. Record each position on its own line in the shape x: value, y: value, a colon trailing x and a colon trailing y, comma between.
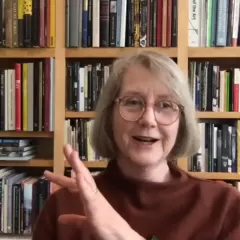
x: 188, y: 137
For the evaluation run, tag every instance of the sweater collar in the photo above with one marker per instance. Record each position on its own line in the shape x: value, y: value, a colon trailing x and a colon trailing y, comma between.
x: 142, y: 193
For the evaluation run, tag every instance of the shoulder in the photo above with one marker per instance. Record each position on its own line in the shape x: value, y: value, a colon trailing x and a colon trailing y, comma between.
x: 223, y: 201
x: 215, y: 188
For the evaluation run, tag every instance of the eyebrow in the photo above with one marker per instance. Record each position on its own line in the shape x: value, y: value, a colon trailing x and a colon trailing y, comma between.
x: 162, y: 96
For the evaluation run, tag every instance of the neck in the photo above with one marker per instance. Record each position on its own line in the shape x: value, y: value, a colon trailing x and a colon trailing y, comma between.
x: 159, y: 172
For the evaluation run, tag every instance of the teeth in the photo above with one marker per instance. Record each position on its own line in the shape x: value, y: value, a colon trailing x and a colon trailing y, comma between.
x: 146, y: 139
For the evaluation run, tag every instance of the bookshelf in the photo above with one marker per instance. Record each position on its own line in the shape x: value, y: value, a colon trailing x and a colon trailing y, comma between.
x: 182, y: 53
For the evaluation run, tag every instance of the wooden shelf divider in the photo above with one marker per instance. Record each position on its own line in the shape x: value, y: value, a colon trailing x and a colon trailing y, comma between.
x: 37, y: 162
x: 114, y: 52
x: 27, y: 52
x: 218, y: 115
x: 216, y: 175
x: 214, y: 52
x: 22, y: 134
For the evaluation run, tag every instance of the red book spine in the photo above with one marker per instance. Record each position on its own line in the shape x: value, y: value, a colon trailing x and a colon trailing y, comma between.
x: 18, y: 97
x: 169, y: 23
x: 236, y: 97
x: 159, y: 22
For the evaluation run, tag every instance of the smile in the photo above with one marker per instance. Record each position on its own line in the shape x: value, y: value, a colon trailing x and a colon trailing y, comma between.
x: 145, y: 139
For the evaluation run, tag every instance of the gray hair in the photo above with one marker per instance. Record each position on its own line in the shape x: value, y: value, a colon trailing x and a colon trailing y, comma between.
x: 188, y: 138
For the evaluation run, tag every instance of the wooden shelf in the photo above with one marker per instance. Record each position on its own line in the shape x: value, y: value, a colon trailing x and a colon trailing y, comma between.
x: 218, y: 115
x: 93, y: 164
x: 206, y: 115
x: 27, y: 52
x: 89, y: 114
x: 15, y: 134
x: 32, y: 163
x: 112, y: 52
x: 213, y: 52
x: 216, y: 176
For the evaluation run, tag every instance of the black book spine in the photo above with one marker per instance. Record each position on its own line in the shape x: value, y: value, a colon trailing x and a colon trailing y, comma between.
x: 104, y: 23
x: 113, y: 22
x: 27, y: 22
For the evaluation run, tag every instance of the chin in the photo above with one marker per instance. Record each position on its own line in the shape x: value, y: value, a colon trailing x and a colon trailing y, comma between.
x: 145, y: 159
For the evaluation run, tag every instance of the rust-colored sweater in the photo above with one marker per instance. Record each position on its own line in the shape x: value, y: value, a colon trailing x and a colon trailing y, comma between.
x: 186, y: 208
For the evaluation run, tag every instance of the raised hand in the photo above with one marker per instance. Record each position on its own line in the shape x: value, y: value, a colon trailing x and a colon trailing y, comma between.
x: 100, y: 218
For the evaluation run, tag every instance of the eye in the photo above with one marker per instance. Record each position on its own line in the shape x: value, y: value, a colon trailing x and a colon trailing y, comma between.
x: 132, y: 102
x: 165, y: 104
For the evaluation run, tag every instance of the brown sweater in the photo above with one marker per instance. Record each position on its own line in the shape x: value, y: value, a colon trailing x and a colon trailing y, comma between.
x: 185, y: 209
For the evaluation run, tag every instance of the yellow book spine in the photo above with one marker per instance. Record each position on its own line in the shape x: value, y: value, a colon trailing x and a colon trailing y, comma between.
x: 20, y: 9
x: 25, y: 98
x: 27, y: 7
x: 52, y: 23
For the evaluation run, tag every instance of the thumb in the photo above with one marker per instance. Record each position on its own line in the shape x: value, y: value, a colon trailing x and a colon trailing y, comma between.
x: 73, y: 219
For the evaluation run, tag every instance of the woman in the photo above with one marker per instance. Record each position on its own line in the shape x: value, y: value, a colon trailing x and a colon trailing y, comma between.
x: 145, y: 120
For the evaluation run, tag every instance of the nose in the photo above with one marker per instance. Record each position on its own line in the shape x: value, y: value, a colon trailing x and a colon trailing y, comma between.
x: 148, y: 118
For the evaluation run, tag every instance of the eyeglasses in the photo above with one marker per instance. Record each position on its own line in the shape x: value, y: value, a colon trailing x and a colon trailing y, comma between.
x: 132, y: 109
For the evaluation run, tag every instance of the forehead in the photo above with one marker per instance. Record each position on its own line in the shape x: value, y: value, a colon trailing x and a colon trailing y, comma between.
x: 140, y: 80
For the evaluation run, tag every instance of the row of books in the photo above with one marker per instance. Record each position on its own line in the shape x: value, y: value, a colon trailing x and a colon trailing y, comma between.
x: 27, y: 96
x: 214, y: 89
x: 84, y: 84
x: 22, y: 198
x: 15, y: 149
x: 27, y: 23
x: 219, y: 149
x: 214, y: 23
x: 76, y: 133
x: 112, y: 23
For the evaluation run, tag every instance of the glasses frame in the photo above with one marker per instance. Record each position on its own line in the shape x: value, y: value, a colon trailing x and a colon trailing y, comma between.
x: 119, y: 100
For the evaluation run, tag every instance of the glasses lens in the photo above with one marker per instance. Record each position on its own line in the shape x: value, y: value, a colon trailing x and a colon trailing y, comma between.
x: 166, y: 112
x: 131, y: 108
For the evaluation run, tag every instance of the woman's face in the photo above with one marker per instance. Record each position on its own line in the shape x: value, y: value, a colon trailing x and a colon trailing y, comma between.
x: 144, y: 142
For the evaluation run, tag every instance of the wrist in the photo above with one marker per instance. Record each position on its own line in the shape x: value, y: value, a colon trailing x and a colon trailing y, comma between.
x: 127, y: 233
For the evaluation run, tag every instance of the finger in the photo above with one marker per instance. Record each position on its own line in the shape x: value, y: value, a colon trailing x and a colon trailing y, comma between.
x: 73, y: 159
x: 67, y: 150
x: 79, y: 168
x: 63, y: 181
x: 84, y: 179
x: 73, y: 174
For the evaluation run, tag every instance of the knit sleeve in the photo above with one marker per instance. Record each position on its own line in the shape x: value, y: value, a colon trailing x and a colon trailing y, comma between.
x: 45, y: 227
x: 231, y: 224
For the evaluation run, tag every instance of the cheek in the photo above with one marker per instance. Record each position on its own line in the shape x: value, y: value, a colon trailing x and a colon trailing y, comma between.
x: 121, y: 130
x: 170, y: 135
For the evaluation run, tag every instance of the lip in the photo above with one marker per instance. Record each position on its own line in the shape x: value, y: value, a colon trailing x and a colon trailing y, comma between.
x: 145, y: 145
x: 144, y: 136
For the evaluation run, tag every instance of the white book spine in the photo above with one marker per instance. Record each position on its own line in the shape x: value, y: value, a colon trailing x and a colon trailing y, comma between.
x: 235, y: 20
x: 96, y: 23
x: 123, y: 23
x: 81, y: 89
x: 194, y: 23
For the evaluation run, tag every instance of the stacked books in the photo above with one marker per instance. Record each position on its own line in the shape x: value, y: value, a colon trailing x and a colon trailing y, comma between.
x: 17, y: 149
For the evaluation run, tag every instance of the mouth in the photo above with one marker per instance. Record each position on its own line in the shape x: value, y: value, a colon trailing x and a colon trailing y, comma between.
x: 145, y: 139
